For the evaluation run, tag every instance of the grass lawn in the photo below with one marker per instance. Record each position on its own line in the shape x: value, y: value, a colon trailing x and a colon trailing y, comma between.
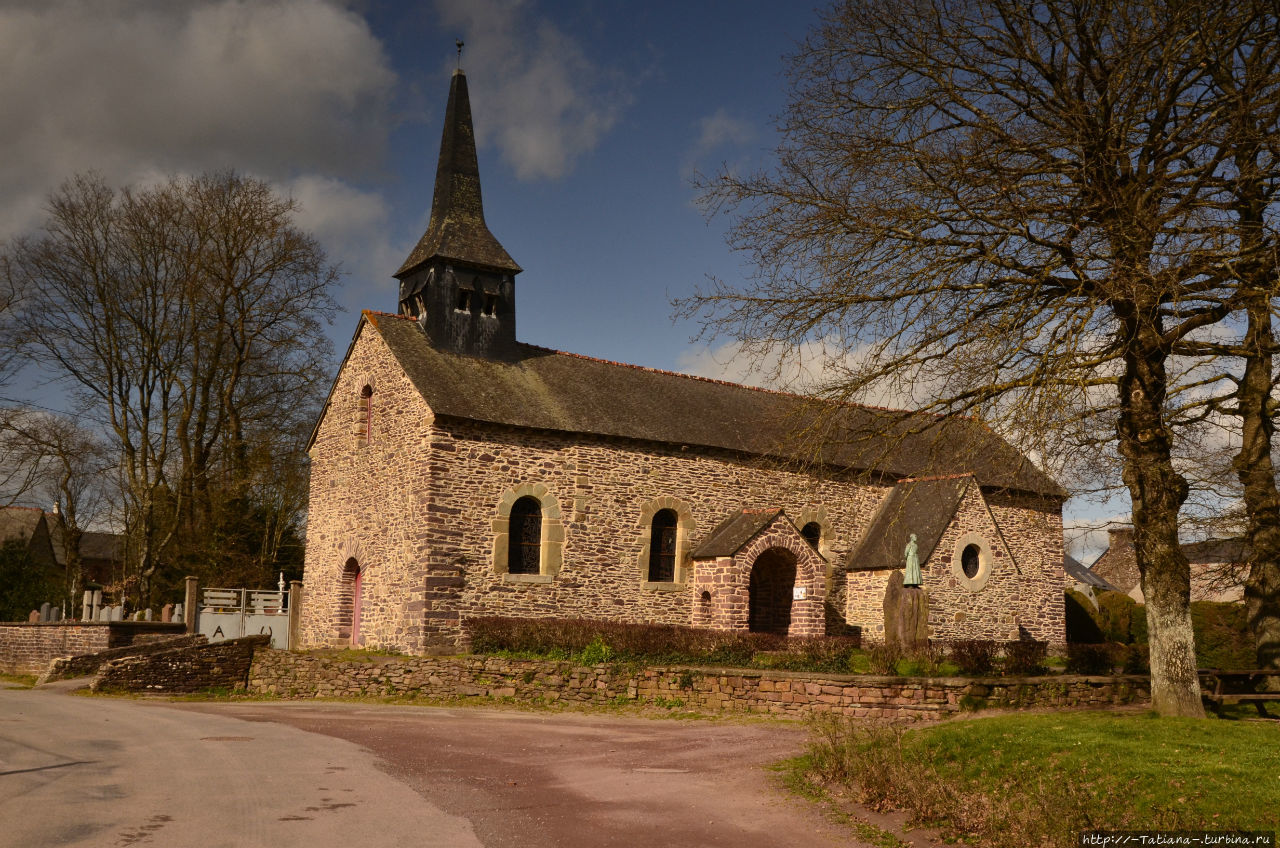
x: 1015, y: 780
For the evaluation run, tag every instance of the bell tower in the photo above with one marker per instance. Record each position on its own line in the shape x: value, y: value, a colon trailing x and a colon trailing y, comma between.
x: 458, y: 281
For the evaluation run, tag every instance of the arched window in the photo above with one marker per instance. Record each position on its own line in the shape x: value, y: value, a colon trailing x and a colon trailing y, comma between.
x: 662, y: 546
x: 812, y: 533
x: 524, y: 546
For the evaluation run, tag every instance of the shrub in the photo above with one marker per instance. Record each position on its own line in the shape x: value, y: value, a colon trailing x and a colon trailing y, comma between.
x: 883, y: 658
x: 1081, y: 625
x: 1223, y: 638
x: 1115, y: 616
x: 974, y: 656
x: 1025, y: 657
x: 596, y: 652
x: 1137, y: 659
x: 1093, y: 659
x: 653, y: 643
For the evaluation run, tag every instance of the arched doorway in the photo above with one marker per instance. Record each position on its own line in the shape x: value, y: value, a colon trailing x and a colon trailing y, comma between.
x: 349, y: 602
x: 773, y: 579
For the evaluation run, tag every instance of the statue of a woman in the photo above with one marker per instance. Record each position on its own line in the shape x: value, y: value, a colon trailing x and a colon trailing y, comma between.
x: 913, y: 576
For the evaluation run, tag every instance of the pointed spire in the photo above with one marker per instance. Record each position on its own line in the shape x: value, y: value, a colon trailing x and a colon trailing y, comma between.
x: 457, y: 230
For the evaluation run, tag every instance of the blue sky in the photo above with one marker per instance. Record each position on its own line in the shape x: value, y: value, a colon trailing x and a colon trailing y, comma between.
x: 592, y: 119
x: 603, y: 222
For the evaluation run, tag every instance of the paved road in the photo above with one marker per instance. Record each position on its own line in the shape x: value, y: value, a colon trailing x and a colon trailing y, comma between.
x: 104, y: 772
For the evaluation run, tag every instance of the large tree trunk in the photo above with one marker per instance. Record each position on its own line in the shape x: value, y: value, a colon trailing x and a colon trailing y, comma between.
x: 1157, y: 492
x: 1257, y: 475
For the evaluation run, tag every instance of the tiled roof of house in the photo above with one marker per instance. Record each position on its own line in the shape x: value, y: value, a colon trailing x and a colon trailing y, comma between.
x: 457, y: 229
x: 549, y: 390
x: 924, y: 507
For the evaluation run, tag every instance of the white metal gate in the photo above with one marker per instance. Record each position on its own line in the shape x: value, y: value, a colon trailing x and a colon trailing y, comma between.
x: 232, y: 613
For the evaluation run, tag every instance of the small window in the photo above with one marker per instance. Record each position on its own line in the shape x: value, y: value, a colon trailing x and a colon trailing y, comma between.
x: 365, y: 429
x: 662, y: 547
x: 812, y: 533
x: 463, y: 303
x: 490, y: 305
x: 524, y: 551
x: 970, y: 560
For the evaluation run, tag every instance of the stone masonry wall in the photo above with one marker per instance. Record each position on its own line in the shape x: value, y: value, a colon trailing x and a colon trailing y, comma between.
x: 369, y: 498
x: 65, y: 668
x: 186, y: 669
x: 29, y: 648
x: 786, y: 694
x: 1020, y: 598
x: 419, y: 506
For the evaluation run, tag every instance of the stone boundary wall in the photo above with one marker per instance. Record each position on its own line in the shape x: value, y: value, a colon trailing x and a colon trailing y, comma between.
x: 29, y: 648
x: 64, y: 668
x: 188, y: 669
x: 780, y: 693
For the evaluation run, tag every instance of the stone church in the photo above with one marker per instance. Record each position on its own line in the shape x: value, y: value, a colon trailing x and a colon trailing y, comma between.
x: 457, y: 472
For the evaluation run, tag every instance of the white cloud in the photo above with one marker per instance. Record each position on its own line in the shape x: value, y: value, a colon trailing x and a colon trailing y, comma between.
x: 274, y: 88
x: 802, y: 369
x: 720, y: 129
x: 354, y: 228
x: 540, y: 99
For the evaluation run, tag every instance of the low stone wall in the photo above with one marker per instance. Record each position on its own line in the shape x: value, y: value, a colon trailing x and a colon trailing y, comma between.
x: 64, y: 668
x: 29, y: 648
x: 781, y: 693
x: 193, y: 668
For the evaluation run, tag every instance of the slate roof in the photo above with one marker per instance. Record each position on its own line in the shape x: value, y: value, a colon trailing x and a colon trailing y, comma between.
x: 19, y: 522
x: 924, y: 507
x: 730, y: 535
x: 549, y: 390
x: 1081, y: 573
x: 1216, y: 551
x: 457, y: 229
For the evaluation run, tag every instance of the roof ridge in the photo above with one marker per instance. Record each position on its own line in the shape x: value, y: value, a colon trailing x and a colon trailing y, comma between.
x: 936, y: 477
x: 718, y: 382
x: 699, y: 378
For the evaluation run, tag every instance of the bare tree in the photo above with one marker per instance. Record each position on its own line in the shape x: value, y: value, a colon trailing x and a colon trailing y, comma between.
x: 1021, y: 204
x: 186, y: 317
x: 70, y: 467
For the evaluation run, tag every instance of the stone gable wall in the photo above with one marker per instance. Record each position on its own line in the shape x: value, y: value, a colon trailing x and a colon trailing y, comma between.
x: 1021, y: 597
x: 420, y: 507
x: 779, y: 693
x: 369, y: 501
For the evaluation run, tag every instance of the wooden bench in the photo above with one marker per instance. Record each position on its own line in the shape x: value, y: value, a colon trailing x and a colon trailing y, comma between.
x: 1220, y: 687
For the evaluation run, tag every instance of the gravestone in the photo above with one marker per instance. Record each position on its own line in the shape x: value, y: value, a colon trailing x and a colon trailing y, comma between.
x: 34, y: 617
x: 44, y: 611
x: 906, y: 614
x: 166, y: 612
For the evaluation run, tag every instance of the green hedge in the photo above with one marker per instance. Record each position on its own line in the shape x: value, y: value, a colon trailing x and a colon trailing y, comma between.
x: 1223, y: 639
x: 584, y: 639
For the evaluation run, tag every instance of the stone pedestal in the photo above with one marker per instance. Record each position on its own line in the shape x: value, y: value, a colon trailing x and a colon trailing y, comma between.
x: 906, y: 614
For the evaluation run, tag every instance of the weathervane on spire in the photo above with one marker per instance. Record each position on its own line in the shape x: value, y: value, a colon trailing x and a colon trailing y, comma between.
x: 459, y: 43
